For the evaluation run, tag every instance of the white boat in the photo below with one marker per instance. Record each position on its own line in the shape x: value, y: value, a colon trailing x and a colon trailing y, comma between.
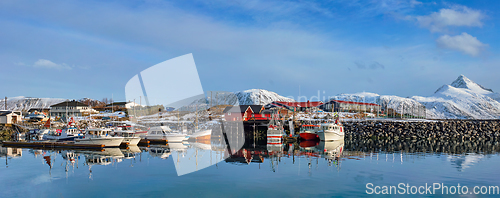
x: 99, y: 136
x: 67, y: 134
x: 274, y: 131
x: 330, y: 132
x: 203, y: 134
x: 163, y: 133
x: 129, y: 137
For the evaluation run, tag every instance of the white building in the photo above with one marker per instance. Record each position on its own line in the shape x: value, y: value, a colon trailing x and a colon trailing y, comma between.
x: 10, y: 117
x: 71, y: 109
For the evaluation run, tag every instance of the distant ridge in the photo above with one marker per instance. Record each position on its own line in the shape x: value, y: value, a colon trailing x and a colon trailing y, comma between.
x: 462, y: 99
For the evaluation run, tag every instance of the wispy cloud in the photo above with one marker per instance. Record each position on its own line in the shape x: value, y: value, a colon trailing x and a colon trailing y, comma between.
x: 464, y: 43
x: 373, y: 65
x: 43, y: 63
x: 454, y: 16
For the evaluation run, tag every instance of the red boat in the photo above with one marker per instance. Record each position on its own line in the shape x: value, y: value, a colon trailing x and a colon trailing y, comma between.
x: 308, y: 132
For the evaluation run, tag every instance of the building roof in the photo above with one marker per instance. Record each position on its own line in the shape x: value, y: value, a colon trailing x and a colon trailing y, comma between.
x: 242, y: 109
x: 300, y: 104
x: 117, y: 104
x: 351, y: 102
x: 4, y: 113
x: 69, y: 103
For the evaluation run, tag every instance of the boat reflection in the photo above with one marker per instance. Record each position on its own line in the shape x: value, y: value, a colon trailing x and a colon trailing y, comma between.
x: 159, y: 151
x: 192, y: 156
x: 130, y: 152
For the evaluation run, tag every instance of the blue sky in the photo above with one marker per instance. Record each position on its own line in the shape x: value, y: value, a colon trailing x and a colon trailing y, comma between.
x: 76, y: 49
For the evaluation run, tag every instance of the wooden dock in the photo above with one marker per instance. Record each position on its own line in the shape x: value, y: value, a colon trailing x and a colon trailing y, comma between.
x: 51, y: 145
x: 156, y: 141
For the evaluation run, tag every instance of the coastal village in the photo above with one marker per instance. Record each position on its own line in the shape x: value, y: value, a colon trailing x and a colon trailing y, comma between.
x: 266, y: 126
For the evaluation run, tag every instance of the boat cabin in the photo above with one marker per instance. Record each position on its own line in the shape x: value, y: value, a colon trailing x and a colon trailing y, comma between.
x: 309, y: 127
x: 330, y: 127
x: 97, y: 132
x: 159, y: 130
x: 125, y: 133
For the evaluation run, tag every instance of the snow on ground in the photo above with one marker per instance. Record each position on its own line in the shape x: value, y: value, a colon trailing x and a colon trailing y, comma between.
x: 21, y: 103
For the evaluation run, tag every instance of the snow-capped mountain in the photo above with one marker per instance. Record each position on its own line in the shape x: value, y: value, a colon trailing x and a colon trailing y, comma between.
x: 259, y: 97
x: 247, y: 97
x: 21, y: 103
x: 462, y: 99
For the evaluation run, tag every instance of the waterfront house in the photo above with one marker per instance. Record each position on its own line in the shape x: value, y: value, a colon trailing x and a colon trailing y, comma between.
x: 10, y: 117
x: 246, y: 113
x: 71, y: 108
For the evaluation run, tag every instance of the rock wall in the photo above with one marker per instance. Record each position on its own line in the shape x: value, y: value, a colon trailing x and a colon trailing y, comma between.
x: 441, y: 130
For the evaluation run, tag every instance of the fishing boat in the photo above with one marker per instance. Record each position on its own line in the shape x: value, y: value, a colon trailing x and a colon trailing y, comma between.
x: 331, y: 132
x: 309, y: 132
x: 274, y: 131
x: 70, y: 133
x: 163, y: 133
x: 99, y: 136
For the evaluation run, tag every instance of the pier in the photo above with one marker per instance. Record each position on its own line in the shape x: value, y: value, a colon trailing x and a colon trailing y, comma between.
x: 51, y: 145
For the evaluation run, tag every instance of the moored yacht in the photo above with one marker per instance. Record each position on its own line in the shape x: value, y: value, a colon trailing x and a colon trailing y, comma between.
x: 201, y: 135
x: 163, y: 133
x: 129, y: 137
x: 99, y: 136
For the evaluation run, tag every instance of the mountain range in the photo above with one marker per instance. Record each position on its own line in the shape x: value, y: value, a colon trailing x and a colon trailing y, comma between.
x: 462, y: 99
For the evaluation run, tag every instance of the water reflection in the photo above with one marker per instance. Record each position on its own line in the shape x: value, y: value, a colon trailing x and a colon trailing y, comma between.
x: 189, y: 156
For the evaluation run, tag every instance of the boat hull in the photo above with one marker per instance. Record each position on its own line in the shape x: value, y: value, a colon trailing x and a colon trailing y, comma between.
x: 131, y: 141
x: 175, y: 138
x: 201, y: 135
x: 330, y: 135
x: 309, y: 136
x: 106, y: 141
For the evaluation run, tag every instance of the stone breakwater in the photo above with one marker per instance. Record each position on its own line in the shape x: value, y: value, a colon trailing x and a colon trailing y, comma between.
x: 439, y: 130
x: 422, y: 146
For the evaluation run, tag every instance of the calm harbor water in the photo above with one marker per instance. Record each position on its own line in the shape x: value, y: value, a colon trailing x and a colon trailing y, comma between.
x: 308, y: 169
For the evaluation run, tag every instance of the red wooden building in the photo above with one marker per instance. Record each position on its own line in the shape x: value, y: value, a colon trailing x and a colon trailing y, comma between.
x: 246, y: 113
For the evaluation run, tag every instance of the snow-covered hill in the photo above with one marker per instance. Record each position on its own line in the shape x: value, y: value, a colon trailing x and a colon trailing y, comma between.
x: 462, y: 99
x: 247, y: 97
x: 259, y: 97
x: 21, y: 103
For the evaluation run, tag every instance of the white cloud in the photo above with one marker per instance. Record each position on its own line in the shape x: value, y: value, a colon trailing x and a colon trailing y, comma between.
x: 455, y: 16
x: 43, y: 63
x: 415, y: 2
x: 464, y: 43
